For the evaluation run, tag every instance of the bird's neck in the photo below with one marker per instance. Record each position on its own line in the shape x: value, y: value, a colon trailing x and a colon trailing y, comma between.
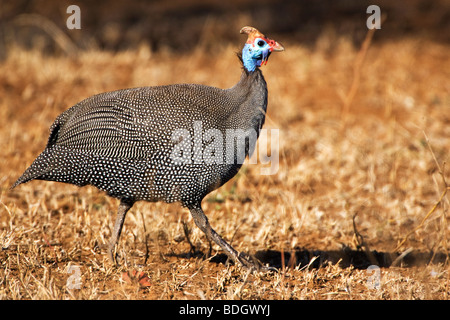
x: 251, y: 95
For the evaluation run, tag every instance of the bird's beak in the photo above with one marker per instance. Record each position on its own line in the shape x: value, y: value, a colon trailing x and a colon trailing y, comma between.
x: 275, y: 46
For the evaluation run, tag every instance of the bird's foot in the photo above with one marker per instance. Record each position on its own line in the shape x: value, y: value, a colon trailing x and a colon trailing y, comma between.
x: 113, y: 256
x: 250, y: 262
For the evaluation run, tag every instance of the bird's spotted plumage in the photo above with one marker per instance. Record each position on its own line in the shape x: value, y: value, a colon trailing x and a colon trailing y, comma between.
x: 122, y: 142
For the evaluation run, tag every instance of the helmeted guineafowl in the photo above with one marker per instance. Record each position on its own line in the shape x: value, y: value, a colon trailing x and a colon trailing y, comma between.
x: 144, y: 143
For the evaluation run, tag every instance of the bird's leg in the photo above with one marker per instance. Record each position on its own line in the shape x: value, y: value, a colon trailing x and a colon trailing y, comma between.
x: 186, y: 234
x: 124, y: 206
x: 202, y: 222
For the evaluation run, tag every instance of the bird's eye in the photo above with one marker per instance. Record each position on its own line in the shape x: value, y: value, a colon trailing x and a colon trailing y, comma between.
x: 261, y: 43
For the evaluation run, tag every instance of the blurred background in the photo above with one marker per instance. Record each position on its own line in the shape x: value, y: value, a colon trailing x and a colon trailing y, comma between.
x: 176, y: 25
x: 363, y: 149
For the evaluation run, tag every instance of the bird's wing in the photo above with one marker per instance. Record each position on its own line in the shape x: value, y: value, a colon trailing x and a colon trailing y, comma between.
x: 106, y: 127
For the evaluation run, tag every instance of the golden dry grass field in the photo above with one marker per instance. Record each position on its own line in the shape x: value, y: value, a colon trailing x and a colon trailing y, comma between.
x: 356, y: 177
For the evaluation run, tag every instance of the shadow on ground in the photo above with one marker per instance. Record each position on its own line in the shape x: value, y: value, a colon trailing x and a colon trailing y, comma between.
x: 345, y: 258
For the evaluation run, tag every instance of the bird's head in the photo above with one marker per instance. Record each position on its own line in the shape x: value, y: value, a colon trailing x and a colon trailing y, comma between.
x: 257, y: 49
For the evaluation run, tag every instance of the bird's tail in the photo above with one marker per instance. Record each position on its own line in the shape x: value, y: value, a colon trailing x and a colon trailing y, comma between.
x: 38, y: 169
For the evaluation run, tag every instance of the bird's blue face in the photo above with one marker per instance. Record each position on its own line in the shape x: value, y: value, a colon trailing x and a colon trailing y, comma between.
x: 256, y: 53
x: 257, y: 49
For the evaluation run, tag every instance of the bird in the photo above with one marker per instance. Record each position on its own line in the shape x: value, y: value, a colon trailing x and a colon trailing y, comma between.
x: 148, y: 143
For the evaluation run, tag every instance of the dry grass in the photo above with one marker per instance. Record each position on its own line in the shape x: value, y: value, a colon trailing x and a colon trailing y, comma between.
x: 346, y: 192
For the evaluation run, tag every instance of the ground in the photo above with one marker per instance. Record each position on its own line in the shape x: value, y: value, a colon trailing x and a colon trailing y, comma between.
x: 357, y: 207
